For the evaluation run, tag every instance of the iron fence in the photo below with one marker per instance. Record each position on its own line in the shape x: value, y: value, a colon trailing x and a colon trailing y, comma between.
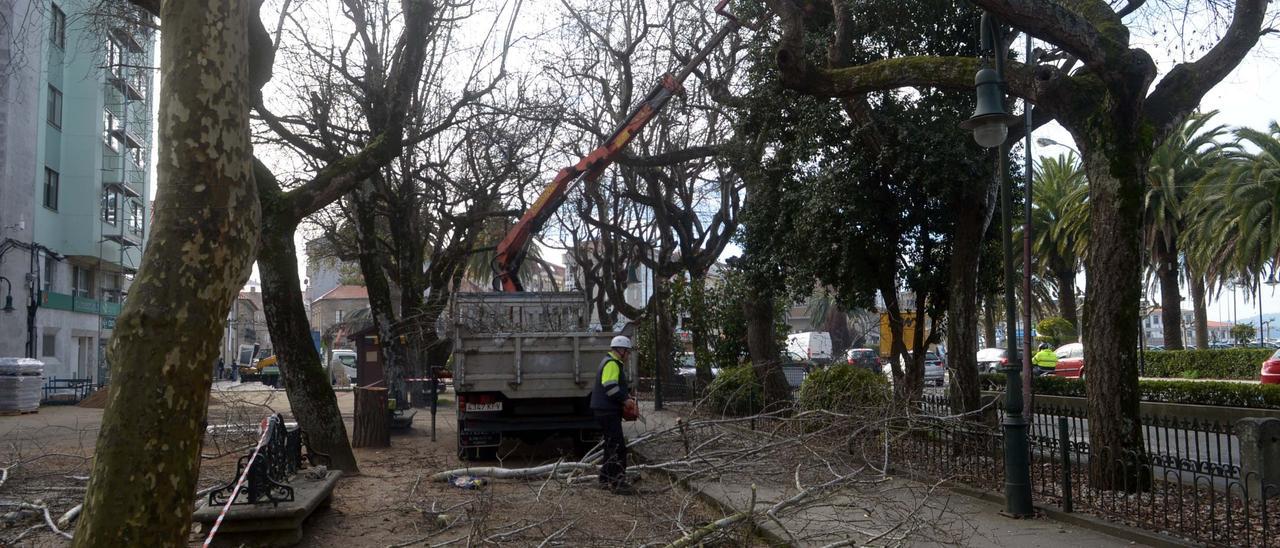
x: 1188, y: 483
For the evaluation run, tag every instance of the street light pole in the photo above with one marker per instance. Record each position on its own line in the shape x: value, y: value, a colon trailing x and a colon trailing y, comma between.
x: 1027, y: 342
x: 990, y: 128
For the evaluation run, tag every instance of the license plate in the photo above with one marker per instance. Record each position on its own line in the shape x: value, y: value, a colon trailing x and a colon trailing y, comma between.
x: 495, y: 406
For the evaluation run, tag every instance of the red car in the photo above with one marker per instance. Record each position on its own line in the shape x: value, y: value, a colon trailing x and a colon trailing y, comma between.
x: 1070, y: 361
x: 1271, y: 369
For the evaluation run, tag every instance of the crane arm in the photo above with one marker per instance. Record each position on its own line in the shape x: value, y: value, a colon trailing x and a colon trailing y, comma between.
x: 513, y: 247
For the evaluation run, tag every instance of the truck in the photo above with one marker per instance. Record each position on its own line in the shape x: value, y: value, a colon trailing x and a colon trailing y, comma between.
x: 524, y: 362
x: 810, y: 346
x: 523, y: 368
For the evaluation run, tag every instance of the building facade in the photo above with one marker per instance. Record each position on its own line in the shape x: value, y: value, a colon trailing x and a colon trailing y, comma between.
x: 1153, y: 329
x: 76, y: 151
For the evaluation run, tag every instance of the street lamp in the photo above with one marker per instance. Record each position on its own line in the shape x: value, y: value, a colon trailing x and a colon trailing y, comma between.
x: 990, y: 126
x: 8, y: 296
x: 1047, y: 142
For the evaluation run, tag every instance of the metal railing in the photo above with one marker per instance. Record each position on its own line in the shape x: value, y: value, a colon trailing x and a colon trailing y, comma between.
x: 1189, y: 483
x: 66, y: 391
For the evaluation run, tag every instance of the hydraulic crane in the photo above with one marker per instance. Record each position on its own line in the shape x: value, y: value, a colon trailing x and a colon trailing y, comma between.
x: 511, y: 251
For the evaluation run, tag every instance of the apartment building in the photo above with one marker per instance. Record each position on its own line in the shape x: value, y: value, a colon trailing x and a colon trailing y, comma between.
x: 75, y: 151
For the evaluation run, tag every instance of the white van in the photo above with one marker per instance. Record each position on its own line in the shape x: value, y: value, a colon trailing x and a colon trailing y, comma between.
x: 810, y: 346
x: 348, y: 358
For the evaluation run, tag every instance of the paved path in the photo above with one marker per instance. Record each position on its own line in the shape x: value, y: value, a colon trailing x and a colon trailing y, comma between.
x: 940, y: 517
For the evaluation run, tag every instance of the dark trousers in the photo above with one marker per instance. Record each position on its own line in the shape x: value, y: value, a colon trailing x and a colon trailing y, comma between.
x: 614, y: 469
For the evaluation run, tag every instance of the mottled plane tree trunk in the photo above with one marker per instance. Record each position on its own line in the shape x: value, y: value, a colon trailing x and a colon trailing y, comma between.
x: 204, y: 229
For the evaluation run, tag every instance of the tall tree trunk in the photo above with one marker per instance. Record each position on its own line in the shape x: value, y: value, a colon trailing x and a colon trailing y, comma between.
x: 302, y: 371
x: 1167, y: 269
x: 381, y: 303
x: 698, y: 326
x: 762, y: 342
x: 1199, y: 308
x: 962, y: 308
x: 1110, y: 334
x: 989, y: 320
x: 1067, y: 295
x: 147, y: 459
x: 837, y: 325
x: 663, y: 334
x: 898, y: 353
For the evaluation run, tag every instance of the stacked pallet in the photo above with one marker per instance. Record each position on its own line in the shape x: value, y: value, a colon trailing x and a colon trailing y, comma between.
x: 20, y: 382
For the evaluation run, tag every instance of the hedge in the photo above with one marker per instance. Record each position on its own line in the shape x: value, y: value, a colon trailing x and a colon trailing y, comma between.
x: 736, y: 391
x: 1223, y: 363
x: 1228, y: 394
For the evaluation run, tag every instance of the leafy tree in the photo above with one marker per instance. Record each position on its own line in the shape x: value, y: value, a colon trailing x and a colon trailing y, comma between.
x: 1055, y: 331
x: 1237, y: 233
x: 1243, y: 332
x: 1189, y: 154
x: 1117, y: 115
x: 1060, y: 221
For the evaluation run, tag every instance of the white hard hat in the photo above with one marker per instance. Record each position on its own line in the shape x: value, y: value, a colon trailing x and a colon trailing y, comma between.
x: 621, y: 341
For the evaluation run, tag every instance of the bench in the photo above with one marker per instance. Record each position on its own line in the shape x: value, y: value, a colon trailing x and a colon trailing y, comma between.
x: 280, y: 492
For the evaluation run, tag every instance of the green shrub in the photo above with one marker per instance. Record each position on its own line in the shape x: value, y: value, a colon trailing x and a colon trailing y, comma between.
x: 1229, y: 394
x: 1217, y: 363
x: 736, y: 391
x: 843, y: 388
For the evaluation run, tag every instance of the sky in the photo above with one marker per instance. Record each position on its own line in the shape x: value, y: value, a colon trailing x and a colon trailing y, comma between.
x: 1245, y: 98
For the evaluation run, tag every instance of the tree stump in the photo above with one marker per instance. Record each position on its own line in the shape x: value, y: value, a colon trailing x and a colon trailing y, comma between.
x: 372, y: 421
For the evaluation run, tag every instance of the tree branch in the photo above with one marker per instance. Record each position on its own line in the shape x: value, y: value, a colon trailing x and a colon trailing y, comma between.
x: 1182, y: 89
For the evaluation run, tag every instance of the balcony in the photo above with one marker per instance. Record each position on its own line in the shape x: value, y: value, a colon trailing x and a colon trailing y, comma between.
x: 74, y: 303
x: 131, y: 88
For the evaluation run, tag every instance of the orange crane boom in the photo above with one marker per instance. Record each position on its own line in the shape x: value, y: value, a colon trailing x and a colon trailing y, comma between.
x: 512, y: 249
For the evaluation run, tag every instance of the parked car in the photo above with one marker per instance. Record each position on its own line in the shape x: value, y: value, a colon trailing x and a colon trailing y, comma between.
x: 1271, y: 369
x: 990, y: 360
x: 348, y: 359
x: 865, y: 358
x: 935, y: 369
x: 686, y: 368
x: 1070, y: 361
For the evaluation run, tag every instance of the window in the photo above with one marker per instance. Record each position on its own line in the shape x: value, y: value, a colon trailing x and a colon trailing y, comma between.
x: 110, y: 206
x: 339, y: 316
x: 138, y: 156
x: 108, y: 125
x: 111, y: 288
x: 58, y: 27
x: 81, y: 282
x: 55, y: 107
x: 135, y: 217
x: 49, y: 344
x: 50, y: 270
x: 50, y: 189
x: 115, y: 58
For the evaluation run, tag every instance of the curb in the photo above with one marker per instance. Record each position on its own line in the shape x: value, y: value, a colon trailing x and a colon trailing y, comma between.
x: 762, y: 529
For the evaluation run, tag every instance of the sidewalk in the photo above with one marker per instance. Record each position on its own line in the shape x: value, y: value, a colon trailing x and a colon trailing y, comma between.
x: 940, y: 517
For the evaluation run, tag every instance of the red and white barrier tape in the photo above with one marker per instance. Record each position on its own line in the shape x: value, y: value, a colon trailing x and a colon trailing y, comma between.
x: 262, y: 440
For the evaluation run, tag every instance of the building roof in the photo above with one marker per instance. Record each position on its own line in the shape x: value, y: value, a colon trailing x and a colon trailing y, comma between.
x: 346, y: 292
x: 1218, y: 324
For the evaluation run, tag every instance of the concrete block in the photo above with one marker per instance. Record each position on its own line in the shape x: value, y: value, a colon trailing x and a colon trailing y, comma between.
x: 1260, y: 455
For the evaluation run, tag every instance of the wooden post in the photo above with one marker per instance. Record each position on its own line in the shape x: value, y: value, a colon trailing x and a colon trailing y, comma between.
x: 372, y: 420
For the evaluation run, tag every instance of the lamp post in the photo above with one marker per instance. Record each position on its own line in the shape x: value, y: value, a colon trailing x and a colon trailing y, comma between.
x: 990, y: 126
x: 8, y: 295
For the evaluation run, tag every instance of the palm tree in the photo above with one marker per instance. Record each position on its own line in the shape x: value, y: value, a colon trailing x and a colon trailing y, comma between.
x: 1237, y: 227
x: 1060, y: 221
x: 1177, y: 165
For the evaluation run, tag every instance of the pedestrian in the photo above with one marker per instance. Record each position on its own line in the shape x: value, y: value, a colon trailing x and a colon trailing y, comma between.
x: 608, y: 397
x: 221, y: 367
x: 1045, y: 360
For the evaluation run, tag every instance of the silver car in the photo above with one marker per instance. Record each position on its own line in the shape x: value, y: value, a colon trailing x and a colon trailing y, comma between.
x: 990, y: 360
x: 935, y: 369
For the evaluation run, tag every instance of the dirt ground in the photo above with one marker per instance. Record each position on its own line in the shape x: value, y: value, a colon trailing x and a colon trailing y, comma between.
x: 391, y: 503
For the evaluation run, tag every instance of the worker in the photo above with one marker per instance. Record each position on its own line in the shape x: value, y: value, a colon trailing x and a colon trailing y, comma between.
x: 608, y: 396
x: 1045, y: 360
